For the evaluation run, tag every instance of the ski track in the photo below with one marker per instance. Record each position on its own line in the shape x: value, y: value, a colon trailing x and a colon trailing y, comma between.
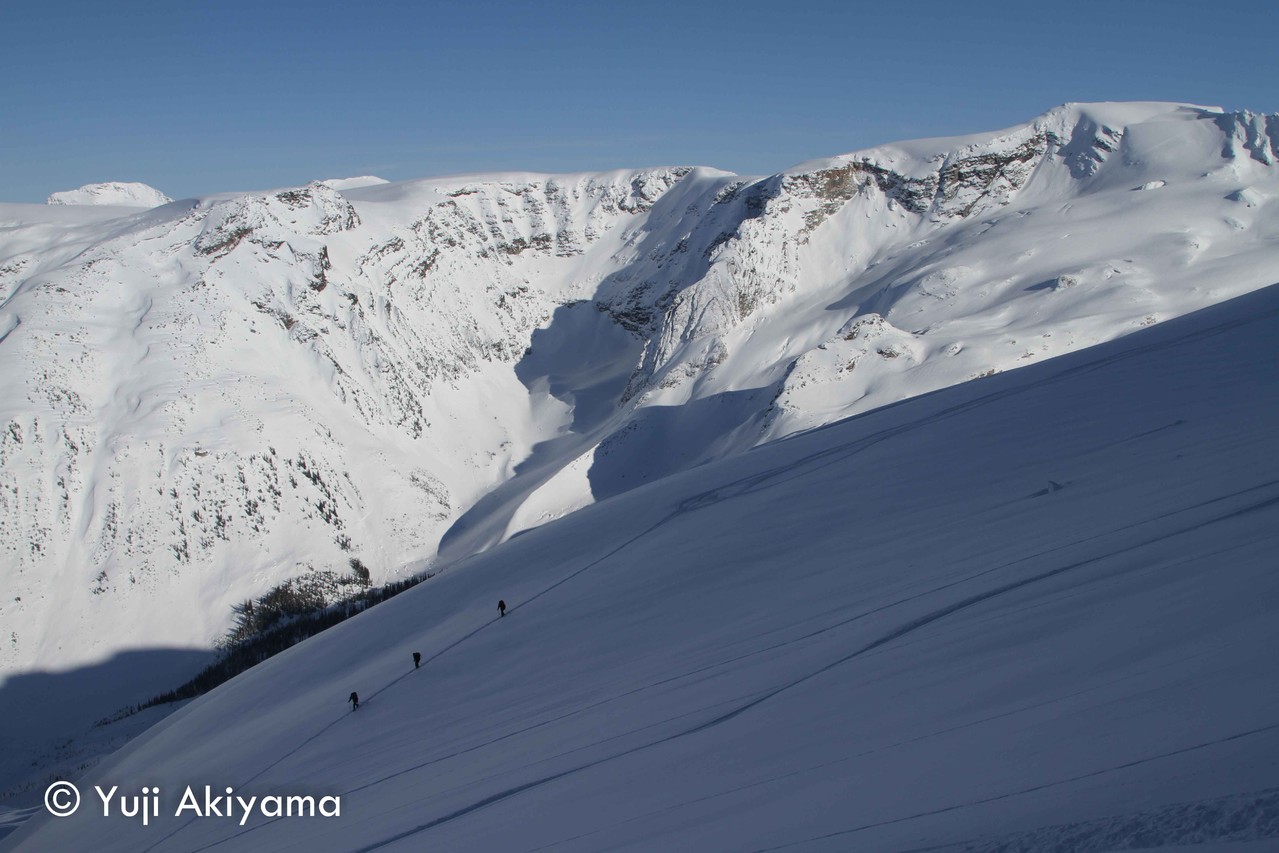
x: 1012, y: 712
x: 439, y: 759
x: 1236, y: 817
x: 995, y: 798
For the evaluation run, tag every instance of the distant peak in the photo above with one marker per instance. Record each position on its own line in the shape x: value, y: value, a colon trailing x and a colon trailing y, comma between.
x: 112, y: 193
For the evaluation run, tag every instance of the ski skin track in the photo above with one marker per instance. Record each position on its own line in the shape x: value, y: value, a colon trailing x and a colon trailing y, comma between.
x: 1137, y: 763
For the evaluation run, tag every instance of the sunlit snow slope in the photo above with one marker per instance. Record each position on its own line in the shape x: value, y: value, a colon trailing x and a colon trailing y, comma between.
x: 204, y: 400
x: 1033, y: 610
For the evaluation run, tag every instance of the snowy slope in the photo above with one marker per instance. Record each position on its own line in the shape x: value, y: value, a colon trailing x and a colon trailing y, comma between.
x: 121, y: 194
x: 201, y: 401
x: 1030, y: 612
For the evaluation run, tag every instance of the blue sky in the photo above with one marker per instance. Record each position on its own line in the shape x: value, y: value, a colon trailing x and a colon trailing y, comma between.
x: 201, y: 97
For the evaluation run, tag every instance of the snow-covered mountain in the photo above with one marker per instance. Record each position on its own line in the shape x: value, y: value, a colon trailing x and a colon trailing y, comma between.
x: 203, y: 400
x: 354, y: 183
x: 1033, y: 612
x: 122, y: 194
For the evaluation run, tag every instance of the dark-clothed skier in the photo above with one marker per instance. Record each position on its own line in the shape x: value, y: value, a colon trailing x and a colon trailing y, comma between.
x: 501, y: 608
x: 354, y: 700
x: 417, y: 659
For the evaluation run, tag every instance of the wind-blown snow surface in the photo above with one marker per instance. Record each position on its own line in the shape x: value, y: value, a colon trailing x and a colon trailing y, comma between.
x: 203, y: 400
x: 1030, y: 612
